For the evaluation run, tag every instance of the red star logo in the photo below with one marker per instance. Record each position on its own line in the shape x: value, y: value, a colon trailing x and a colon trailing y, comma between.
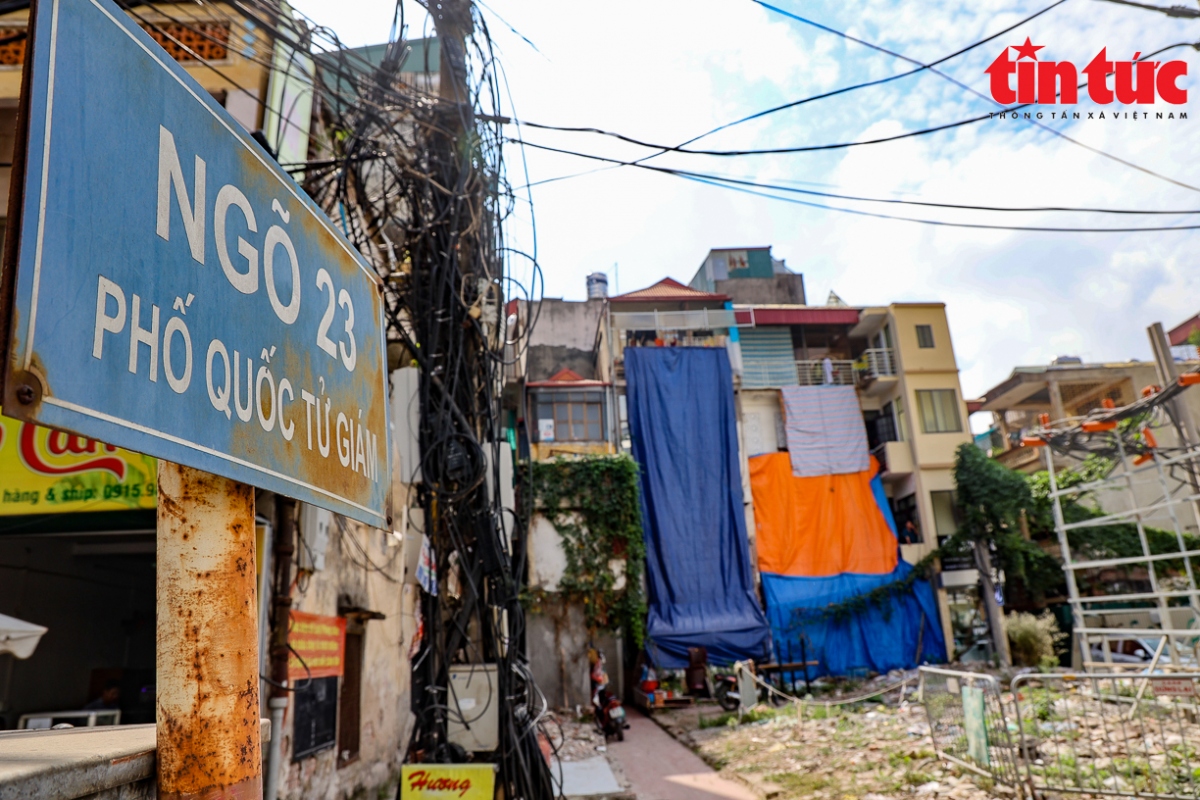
x: 1029, y: 49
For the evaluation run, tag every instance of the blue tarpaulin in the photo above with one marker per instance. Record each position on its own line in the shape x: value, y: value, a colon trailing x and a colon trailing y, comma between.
x: 684, y: 432
x: 900, y: 634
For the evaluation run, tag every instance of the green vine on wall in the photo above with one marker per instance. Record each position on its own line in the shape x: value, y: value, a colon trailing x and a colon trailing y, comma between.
x: 592, y: 501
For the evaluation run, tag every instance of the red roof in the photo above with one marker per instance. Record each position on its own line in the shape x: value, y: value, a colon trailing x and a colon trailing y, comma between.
x: 1179, y: 334
x: 668, y: 290
x: 797, y: 315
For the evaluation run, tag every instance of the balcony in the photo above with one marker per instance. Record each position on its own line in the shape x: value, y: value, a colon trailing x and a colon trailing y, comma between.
x: 766, y: 375
x: 698, y: 319
x: 895, y: 458
x: 812, y: 373
x: 877, y: 370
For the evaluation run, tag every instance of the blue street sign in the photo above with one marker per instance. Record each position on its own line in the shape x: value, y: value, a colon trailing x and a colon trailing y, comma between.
x: 176, y: 293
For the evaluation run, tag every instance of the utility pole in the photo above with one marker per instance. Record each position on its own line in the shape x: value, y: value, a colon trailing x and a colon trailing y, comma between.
x: 983, y: 561
x: 1168, y: 373
x: 452, y: 20
x: 281, y: 607
x: 209, y: 740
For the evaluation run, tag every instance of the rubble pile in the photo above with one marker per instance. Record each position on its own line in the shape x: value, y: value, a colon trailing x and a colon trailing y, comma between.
x: 1089, y: 738
x: 873, y: 751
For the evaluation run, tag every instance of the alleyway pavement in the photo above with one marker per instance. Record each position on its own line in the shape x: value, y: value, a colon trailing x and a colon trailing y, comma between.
x: 660, y: 768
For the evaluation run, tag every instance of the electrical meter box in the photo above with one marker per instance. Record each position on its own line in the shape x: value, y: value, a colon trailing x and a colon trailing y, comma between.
x: 473, y: 697
x: 314, y: 537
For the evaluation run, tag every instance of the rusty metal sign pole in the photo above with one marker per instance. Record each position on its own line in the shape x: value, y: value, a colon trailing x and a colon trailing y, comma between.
x: 209, y: 741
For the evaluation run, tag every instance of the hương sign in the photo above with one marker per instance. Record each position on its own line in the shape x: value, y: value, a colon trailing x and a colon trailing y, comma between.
x: 175, y: 292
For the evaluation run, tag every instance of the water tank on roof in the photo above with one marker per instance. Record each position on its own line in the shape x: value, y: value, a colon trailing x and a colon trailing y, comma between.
x: 1066, y: 360
x: 597, y: 286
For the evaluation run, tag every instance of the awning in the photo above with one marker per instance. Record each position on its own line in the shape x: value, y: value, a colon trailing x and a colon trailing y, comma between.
x: 19, y: 637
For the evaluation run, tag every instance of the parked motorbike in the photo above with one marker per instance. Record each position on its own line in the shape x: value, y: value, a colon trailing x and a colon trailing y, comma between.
x: 728, y: 694
x: 608, y: 711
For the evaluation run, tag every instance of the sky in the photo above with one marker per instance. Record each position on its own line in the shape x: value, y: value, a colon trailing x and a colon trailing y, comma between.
x: 668, y: 70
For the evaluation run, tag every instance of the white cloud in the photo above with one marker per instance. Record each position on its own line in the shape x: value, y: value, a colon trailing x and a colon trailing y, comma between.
x: 668, y: 70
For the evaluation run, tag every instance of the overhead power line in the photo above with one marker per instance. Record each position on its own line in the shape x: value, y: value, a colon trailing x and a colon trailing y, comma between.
x: 682, y: 148
x: 858, y: 198
x: 763, y: 190
x: 945, y: 223
x: 979, y: 94
x: 810, y: 99
x: 878, y: 82
x: 1170, y: 11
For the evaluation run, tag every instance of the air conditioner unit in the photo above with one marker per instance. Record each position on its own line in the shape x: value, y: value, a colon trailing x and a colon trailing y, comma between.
x: 473, y: 698
x: 314, y: 537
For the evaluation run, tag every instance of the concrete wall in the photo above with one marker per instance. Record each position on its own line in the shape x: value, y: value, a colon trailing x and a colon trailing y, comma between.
x: 377, y: 585
x: 779, y: 289
x: 762, y: 421
x: 556, y: 634
x: 542, y: 361
x: 568, y: 323
x: 557, y: 642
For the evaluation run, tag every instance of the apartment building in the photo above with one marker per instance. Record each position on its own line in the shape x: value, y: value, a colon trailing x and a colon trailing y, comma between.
x: 899, y: 358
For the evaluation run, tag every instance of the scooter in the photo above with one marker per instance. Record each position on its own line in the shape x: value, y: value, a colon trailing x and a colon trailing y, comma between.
x: 607, y: 709
x: 728, y: 695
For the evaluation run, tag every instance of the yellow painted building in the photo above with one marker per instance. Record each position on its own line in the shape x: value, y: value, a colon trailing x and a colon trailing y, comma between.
x: 925, y: 402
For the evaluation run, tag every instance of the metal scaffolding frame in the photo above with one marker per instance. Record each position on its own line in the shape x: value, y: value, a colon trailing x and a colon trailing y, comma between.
x: 1174, y: 496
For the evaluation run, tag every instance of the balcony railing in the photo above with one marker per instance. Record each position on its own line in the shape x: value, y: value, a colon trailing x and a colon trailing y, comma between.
x: 812, y: 373
x: 878, y: 362
x: 698, y: 319
x: 804, y: 373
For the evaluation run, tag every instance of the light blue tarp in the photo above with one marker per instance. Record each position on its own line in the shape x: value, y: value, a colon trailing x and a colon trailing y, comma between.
x: 880, y: 638
x: 684, y: 432
x: 881, y: 500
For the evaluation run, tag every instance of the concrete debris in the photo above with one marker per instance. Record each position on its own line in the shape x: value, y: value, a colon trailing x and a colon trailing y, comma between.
x: 875, y: 751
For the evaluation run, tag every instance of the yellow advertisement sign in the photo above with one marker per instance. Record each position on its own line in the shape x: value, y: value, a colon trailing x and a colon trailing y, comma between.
x: 43, y: 471
x: 446, y: 781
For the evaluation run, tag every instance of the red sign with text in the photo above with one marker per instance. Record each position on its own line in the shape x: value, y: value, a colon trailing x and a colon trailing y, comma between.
x: 318, y: 646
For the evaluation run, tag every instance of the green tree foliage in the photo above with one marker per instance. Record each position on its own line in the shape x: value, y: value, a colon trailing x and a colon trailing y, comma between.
x: 592, y: 502
x: 1118, y: 540
x: 991, y: 498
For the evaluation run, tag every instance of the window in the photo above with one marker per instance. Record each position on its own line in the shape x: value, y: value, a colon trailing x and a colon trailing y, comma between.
x: 908, y: 524
x: 315, y: 726
x: 924, y: 336
x: 901, y: 428
x: 945, y: 522
x: 570, y: 416
x: 945, y: 513
x: 886, y: 426
x: 939, y: 410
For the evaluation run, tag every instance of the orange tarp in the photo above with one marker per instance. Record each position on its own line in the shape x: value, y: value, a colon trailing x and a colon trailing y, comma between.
x: 820, y: 526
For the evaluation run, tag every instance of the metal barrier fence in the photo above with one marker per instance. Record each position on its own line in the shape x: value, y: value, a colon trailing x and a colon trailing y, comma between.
x: 968, y: 724
x: 1110, y: 734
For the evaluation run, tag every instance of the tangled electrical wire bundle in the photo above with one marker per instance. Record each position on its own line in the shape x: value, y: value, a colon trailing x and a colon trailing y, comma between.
x: 418, y: 184
x: 1115, y: 434
x: 406, y: 158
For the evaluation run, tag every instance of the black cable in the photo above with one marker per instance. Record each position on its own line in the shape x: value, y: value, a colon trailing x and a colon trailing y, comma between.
x: 860, y: 198
x: 740, y: 185
x: 982, y: 96
x: 920, y: 68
